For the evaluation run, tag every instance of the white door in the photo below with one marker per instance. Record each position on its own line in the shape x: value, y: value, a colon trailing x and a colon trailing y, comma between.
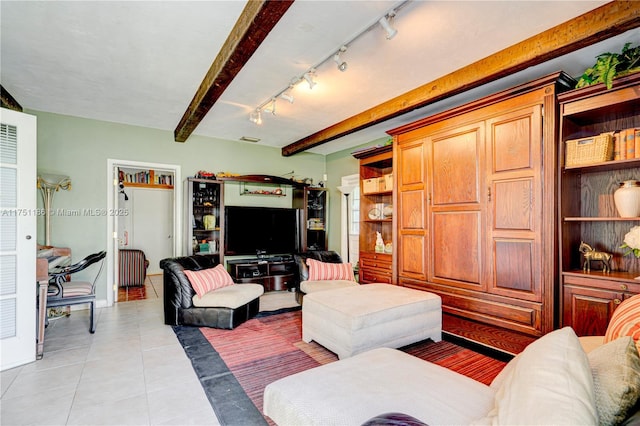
x: 17, y: 238
x: 152, y: 225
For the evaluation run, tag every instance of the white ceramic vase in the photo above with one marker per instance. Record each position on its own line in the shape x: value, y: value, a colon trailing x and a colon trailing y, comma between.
x: 627, y: 198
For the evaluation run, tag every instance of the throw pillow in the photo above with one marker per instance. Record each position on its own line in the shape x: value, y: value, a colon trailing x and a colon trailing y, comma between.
x: 616, y: 377
x: 625, y: 321
x: 321, y: 271
x: 550, y: 382
x: 207, y: 280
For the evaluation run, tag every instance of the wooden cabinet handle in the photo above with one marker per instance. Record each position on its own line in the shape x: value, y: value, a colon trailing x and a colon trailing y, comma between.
x: 617, y: 301
x: 623, y: 287
x: 489, y: 193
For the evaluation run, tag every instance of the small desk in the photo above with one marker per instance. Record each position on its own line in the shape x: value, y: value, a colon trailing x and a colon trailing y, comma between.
x: 47, y: 259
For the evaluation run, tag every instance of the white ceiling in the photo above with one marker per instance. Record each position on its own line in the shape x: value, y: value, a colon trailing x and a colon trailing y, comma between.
x: 141, y: 62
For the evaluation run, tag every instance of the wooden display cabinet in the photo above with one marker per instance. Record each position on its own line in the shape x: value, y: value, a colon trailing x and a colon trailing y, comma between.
x: 376, y: 215
x: 204, y: 216
x: 587, y: 210
x: 313, y: 202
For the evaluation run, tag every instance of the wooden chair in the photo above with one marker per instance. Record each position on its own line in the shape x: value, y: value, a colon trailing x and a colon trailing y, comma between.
x: 63, y: 291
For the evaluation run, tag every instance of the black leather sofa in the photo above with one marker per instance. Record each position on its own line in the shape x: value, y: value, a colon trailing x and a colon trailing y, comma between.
x: 303, y: 269
x: 178, y: 294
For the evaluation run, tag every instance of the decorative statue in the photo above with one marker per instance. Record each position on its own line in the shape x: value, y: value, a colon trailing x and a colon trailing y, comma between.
x: 591, y: 254
x: 379, y: 243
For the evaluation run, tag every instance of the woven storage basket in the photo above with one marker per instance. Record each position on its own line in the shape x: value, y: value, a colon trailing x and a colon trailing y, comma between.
x: 594, y: 149
x: 371, y: 185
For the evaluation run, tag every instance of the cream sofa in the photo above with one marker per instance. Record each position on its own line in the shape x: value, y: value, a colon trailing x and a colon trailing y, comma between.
x: 553, y: 381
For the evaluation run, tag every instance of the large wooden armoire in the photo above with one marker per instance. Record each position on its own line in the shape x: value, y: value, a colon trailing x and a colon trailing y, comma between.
x: 475, y: 201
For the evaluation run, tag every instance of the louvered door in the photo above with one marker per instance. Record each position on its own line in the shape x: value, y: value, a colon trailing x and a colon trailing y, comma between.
x: 17, y: 238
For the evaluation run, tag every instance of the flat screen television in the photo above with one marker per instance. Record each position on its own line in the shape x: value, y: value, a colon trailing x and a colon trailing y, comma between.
x: 272, y: 230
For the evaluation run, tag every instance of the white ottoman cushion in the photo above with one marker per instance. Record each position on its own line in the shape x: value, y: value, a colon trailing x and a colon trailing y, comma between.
x: 232, y: 296
x: 351, y: 320
x: 351, y: 391
x: 313, y: 286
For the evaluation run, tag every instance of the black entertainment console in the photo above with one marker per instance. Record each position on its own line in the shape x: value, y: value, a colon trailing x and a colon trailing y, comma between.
x: 275, y: 273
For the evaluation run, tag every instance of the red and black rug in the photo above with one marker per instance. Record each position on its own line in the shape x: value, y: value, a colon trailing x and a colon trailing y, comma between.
x: 234, y: 366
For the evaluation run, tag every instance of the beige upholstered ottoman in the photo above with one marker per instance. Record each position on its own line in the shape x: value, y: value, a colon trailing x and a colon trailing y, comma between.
x: 355, y: 319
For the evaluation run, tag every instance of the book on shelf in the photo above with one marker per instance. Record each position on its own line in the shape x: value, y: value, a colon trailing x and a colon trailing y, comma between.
x: 630, y: 142
x: 626, y: 144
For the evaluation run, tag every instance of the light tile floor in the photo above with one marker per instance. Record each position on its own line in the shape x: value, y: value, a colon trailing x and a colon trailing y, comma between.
x: 132, y: 371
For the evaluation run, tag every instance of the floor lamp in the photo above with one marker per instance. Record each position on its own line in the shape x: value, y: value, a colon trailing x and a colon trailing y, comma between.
x: 346, y: 190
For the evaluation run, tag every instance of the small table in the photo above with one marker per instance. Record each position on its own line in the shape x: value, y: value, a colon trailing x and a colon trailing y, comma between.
x: 355, y: 319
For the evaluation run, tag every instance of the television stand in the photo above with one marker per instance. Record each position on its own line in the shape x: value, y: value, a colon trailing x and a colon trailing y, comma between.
x: 273, y: 273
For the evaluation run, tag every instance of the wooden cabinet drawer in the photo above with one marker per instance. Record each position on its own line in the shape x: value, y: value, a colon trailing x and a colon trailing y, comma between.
x: 368, y: 276
x: 280, y: 282
x: 376, y: 261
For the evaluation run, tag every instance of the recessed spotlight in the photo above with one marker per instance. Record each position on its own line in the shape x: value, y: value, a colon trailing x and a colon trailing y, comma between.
x: 249, y: 139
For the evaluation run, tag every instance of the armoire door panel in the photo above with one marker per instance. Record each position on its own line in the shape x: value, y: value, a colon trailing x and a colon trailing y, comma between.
x: 512, y: 142
x: 410, y: 169
x: 456, y: 166
x: 513, y: 204
x: 412, y: 256
x: 515, y: 270
x: 457, y: 250
x: 412, y: 210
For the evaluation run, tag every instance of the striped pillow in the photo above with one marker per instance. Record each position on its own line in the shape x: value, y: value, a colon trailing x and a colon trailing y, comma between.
x: 207, y: 280
x: 625, y: 321
x: 320, y: 271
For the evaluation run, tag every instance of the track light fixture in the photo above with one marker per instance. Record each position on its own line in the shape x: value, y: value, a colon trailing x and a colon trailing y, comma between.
x: 342, y: 65
x: 256, y: 116
x: 308, y: 76
x: 384, y: 22
x: 271, y: 107
x: 286, y: 95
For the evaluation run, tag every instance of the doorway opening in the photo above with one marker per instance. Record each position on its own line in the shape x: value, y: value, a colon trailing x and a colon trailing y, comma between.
x: 142, y: 206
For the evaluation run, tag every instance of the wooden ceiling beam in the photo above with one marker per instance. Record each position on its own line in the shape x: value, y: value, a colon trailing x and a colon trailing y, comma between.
x: 597, y: 25
x: 8, y: 101
x: 254, y: 24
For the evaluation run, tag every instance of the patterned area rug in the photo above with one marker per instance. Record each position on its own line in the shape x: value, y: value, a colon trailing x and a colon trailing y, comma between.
x: 234, y: 366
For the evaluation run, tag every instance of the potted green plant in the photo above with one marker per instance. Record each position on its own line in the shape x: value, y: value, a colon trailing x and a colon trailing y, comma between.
x: 611, y: 65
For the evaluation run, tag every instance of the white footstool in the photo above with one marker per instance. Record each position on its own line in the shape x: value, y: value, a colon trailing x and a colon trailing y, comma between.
x: 355, y: 319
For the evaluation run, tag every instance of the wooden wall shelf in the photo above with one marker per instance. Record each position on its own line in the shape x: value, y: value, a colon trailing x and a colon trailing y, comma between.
x: 146, y: 185
x: 265, y: 179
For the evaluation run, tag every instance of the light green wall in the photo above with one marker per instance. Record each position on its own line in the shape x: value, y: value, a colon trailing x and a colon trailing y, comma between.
x: 340, y: 164
x: 80, y: 147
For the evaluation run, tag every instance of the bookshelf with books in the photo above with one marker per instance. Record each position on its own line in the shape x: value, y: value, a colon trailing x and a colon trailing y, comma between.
x: 145, y: 178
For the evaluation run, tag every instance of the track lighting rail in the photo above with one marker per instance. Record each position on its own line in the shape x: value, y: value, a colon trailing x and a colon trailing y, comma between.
x: 270, y: 104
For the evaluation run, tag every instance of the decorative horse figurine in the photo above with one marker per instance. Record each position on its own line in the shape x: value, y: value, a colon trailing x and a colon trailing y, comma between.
x: 591, y: 254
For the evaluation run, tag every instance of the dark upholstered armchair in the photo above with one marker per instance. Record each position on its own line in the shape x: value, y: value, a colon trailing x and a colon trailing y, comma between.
x: 303, y: 270
x: 178, y: 296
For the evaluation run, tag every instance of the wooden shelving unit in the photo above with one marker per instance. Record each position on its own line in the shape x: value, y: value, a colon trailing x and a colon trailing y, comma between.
x: 587, y: 210
x: 376, y: 266
x: 136, y: 178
